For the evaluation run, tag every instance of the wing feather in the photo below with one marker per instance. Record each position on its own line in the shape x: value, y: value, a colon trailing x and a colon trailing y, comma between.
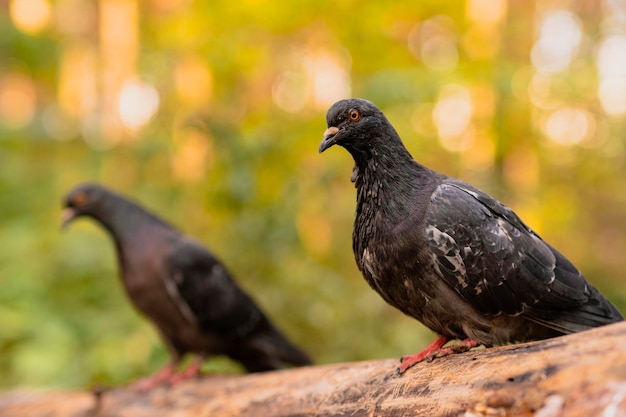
x: 486, y: 253
x: 502, y: 266
x: 206, y: 291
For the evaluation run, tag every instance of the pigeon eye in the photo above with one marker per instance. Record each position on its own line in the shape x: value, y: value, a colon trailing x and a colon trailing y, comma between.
x: 354, y: 115
x: 79, y: 199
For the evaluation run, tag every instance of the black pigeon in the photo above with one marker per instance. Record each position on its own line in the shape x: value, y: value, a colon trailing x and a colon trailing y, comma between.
x: 450, y: 255
x: 183, y: 289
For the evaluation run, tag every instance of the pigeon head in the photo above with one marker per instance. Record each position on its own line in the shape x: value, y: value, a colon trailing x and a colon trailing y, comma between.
x: 85, y: 199
x: 354, y: 124
x: 362, y: 129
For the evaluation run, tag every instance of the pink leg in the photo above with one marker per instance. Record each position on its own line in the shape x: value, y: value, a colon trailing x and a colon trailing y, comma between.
x: 435, y: 350
x: 164, y: 374
x: 192, y: 371
x: 409, y: 360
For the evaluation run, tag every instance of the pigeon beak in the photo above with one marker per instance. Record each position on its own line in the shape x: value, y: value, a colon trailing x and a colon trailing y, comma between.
x: 329, y: 138
x: 67, y: 216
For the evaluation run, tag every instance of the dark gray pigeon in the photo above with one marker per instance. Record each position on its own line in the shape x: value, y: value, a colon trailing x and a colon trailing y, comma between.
x: 450, y: 255
x: 183, y: 289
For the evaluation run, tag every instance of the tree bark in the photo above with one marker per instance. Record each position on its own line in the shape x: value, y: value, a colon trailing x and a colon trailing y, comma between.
x: 582, y: 375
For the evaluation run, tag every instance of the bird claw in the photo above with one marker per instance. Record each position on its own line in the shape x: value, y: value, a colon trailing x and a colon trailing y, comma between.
x: 147, y: 384
x: 407, y: 362
x: 183, y: 376
x: 435, y: 350
x: 192, y: 371
x: 151, y: 382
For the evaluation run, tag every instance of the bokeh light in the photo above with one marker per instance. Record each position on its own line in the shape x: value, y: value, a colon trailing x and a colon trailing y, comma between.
x: 78, y: 80
x: 559, y: 38
x: 330, y: 78
x: 18, y: 100
x: 30, y: 16
x: 540, y: 92
x: 138, y: 103
x: 612, y: 73
x: 76, y: 18
x: 486, y: 12
x: 191, y: 155
x: 569, y: 126
x: 452, y: 116
x: 434, y: 42
x: 193, y: 80
x: 291, y: 91
x: 319, y: 78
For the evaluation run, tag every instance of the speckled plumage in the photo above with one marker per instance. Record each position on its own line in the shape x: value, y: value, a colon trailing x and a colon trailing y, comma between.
x: 183, y: 288
x: 448, y: 254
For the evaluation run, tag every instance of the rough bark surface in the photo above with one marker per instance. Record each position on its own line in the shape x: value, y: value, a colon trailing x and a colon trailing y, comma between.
x: 578, y: 375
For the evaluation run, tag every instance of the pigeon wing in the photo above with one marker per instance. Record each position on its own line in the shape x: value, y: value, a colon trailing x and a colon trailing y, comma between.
x: 207, y: 294
x: 482, y: 249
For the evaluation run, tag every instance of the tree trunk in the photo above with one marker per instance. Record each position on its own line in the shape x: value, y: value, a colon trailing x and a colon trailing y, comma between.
x: 577, y: 375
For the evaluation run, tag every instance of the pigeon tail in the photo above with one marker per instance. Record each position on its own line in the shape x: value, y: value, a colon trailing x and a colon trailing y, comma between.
x: 268, y: 351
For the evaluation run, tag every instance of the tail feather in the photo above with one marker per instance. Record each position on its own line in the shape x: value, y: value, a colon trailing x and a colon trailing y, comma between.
x: 268, y: 350
x: 597, y: 311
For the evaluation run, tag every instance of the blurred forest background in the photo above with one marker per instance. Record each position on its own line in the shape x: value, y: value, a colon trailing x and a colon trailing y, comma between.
x: 210, y: 113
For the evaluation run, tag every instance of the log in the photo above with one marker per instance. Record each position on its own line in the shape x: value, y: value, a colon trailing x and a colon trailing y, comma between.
x: 582, y: 375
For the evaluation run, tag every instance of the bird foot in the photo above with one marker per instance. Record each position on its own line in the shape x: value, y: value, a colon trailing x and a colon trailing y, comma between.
x: 408, y: 361
x: 192, y: 371
x: 151, y: 382
x: 458, y: 346
x: 168, y: 376
x: 436, y: 350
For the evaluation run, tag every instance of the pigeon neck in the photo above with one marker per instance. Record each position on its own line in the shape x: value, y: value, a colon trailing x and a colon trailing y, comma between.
x: 384, y: 154
x: 386, y: 181
x: 124, y: 219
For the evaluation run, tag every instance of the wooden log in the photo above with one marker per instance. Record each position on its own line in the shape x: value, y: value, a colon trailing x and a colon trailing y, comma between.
x: 579, y: 375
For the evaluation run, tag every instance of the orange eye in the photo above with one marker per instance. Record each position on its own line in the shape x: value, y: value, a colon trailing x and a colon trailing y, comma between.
x: 354, y: 115
x: 80, y: 199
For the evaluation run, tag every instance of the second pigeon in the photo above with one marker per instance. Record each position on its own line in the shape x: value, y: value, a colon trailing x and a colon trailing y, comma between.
x: 183, y: 289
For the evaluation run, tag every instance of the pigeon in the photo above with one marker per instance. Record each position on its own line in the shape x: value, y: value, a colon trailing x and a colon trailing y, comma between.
x: 449, y: 254
x: 183, y: 289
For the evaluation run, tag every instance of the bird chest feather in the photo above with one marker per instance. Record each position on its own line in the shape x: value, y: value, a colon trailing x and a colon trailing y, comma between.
x: 381, y: 253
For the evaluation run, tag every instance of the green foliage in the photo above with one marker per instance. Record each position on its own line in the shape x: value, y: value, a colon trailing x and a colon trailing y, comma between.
x: 240, y: 172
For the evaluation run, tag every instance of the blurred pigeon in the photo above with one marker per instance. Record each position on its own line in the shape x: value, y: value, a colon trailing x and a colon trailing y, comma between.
x: 183, y: 289
x: 450, y: 255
